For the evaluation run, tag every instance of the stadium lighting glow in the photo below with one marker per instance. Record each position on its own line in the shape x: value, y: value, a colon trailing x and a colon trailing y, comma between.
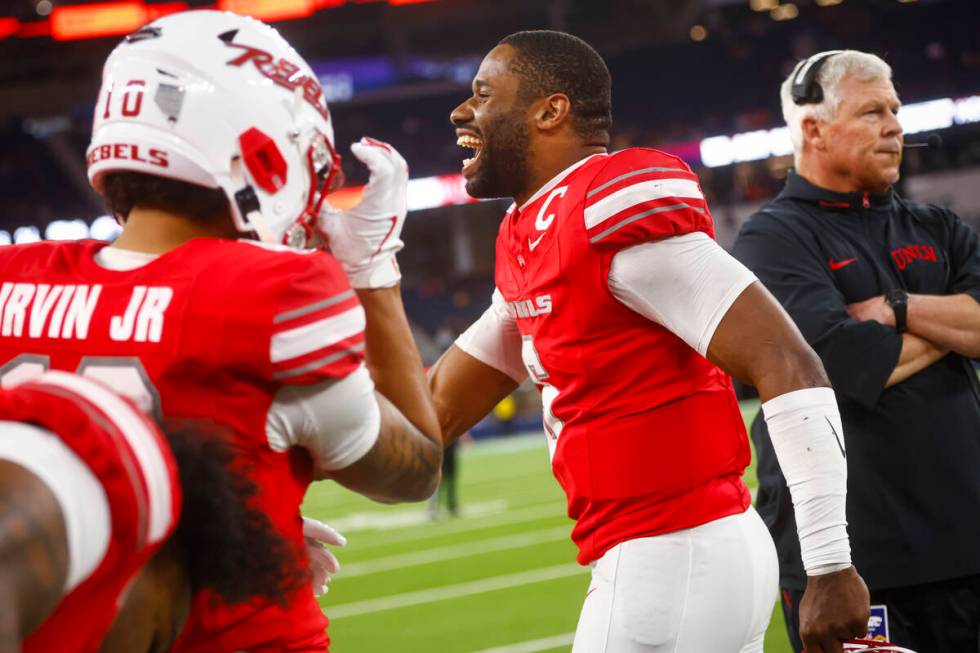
x: 423, y: 193
x: 780, y: 143
x: 270, y: 9
x: 717, y: 151
x: 915, y: 118
x: 8, y: 26
x: 923, y: 116
x: 967, y: 110
x: 66, y: 230
x: 90, y: 21
x: 788, y: 11
x: 749, y: 146
x: 29, y: 234
x: 104, y: 227
x: 118, y: 17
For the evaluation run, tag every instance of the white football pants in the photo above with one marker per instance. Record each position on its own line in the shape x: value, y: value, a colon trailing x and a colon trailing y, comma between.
x: 708, y: 589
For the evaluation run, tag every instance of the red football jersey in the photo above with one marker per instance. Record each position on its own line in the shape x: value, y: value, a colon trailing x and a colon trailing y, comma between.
x: 130, y: 459
x: 211, y: 329
x: 645, y: 434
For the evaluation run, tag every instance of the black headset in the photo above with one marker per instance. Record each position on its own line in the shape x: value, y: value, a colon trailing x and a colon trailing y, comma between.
x: 806, y: 89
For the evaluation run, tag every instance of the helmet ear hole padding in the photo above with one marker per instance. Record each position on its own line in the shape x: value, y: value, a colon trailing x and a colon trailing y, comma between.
x: 249, y: 108
x: 263, y: 160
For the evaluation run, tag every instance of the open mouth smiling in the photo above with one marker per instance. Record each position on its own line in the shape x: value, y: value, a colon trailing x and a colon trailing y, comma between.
x: 474, y: 143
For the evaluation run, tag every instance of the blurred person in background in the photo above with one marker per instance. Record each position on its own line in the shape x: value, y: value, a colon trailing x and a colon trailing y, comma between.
x: 210, y: 128
x: 614, y: 298
x: 886, y: 291
x: 449, y: 485
x: 108, y: 526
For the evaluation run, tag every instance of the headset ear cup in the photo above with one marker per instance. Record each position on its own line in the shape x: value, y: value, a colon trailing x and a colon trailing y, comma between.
x: 814, y: 93
x: 807, y: 90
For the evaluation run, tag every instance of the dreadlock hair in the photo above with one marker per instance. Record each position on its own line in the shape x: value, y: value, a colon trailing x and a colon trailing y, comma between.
x: 555, y: 62
x: 124, y: 190
x: 228, y: 546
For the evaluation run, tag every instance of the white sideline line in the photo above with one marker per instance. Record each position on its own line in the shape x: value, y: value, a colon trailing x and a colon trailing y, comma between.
x: 533, y: 645
x: 453, y: 591
x: 386, y: 520
x: 454, y: 551
x: 466, y: 524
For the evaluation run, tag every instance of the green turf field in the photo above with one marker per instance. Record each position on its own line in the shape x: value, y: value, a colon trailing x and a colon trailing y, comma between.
x: 501, y: 578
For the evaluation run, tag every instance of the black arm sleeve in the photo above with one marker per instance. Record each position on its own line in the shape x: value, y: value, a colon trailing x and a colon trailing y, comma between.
x: 858, y: 356
x: 964, y: 258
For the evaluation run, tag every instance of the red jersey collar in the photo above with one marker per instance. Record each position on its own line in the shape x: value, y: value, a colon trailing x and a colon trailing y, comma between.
x: 557, y: 179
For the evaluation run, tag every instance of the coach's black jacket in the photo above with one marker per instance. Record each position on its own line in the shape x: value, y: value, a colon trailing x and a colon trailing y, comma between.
x: 913, y: 450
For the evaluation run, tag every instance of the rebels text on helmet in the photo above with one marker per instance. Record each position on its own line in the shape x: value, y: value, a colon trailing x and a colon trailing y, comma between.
x: 284, y: 73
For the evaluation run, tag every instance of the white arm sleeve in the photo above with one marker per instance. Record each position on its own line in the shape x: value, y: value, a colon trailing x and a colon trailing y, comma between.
x: 806, y: 432
x: 336, y: 421
x: 494, y: 339
x: 84, y: 505
x: 685, y: 283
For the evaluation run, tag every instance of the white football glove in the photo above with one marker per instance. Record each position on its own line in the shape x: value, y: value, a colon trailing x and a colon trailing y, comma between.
x: 323, y: 563
x: 366, y: 237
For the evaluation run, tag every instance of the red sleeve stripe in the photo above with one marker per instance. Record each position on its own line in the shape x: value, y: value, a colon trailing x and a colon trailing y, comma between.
x: 634, y: 173
x: 308, y: 338
x: 312, y: 308
x: 639, y: 194
x: 681, y: 206
x: 355, y: 350
x: 144, y: 445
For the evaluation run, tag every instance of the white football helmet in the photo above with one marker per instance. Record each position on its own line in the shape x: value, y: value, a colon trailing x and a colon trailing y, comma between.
x: 222, y: 101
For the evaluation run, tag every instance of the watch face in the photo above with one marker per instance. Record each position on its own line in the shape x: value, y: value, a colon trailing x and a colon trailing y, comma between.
x: 896, y: 296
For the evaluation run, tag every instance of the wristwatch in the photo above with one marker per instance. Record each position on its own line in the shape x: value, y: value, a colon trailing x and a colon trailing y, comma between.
x: 898, y: 299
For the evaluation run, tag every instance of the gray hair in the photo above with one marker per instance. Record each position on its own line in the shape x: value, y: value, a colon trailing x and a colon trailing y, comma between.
x: 865, y: 67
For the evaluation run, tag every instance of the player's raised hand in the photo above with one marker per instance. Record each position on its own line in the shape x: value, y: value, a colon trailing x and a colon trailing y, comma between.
x: 835, y: 607
x: 323, y: 563
x: 366, y: 238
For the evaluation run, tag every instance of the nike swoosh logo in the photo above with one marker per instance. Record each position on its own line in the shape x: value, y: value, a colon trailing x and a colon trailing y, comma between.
x: 837, y: 265
x: 591, y: 589
x: 531, y: 244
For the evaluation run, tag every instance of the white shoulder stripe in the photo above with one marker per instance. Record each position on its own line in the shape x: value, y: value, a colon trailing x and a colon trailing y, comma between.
x: 142, y: 442
x: 83, y: 501
x: 316, y: 335
x: 644, y: 191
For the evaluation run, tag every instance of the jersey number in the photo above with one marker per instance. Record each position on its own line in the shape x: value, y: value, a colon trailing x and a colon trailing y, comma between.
x: 132, y: 100
x: 124, y: 374
x: 552, y: 424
